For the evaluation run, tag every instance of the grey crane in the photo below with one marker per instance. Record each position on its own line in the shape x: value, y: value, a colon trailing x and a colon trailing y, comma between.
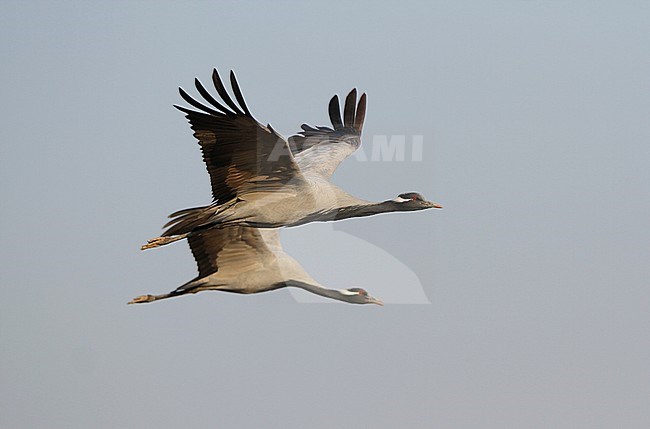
x: 263, y: 180
x: 248, y: 260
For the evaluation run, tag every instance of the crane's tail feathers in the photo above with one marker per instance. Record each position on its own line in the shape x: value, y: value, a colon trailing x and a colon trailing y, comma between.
x: 161, y: 241
x: 185, y: 211
x: 187, y: 220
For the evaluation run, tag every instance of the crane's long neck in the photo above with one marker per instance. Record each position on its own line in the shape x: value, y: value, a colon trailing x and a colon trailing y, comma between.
x: 346, y: 212
x: 369, y: 209
x: 338, y: 294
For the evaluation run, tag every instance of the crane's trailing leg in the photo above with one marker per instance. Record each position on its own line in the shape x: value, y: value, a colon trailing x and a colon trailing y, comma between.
x: 161, y: 241
x: 190, y: 287
x: 151, y: 298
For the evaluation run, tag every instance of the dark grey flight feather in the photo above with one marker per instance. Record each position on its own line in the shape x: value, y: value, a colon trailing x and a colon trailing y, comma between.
x: 196, y: 104
x: 346, y: 128
x: 361, y: 113
x: 349, y: 110
x: 223, y: 93
x: 210, y: 99
x: 238, y: 94
x: 335, y: 113
x: 236, y: 148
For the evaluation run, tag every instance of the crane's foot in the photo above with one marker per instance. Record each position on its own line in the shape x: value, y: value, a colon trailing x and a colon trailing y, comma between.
x: 161, y: 241
x: 142, y: 298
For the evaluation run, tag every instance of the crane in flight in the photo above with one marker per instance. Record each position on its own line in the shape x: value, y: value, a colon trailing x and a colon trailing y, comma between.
x: 249, y: 260
x: 260, y: 179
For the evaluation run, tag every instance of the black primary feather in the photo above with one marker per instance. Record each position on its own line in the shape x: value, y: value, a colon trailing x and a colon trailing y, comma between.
x: 238, y: 94
x: 216, y: 79
x: 210, y: 99
x: 196, y: 104
x: 361, y: 113
x: 349, y: 110
x: 335, y: 113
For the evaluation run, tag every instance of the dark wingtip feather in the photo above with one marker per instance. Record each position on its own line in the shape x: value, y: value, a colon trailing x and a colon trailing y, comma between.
x: 210, y: 99
x: 181, y: 108
x: 361, y: 113
x: 350, y: 106
x: 238, y: 94
x: 221, y: 89
x: 196, y: 104
x: 335, y: 113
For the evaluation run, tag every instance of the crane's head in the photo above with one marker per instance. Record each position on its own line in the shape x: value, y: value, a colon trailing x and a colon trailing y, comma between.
x: 414, y: 201
x: 357, y: 295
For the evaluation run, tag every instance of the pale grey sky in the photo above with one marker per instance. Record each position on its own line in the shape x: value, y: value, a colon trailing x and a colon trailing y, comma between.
x: 534, y: 117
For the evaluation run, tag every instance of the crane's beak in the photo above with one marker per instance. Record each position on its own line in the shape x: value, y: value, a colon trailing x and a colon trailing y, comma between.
x: 434, y: 205
x: 376, y: 301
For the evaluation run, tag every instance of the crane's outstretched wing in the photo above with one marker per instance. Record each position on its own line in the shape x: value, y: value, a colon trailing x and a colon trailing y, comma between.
x: 320, y: 150
x: 233, y: 249
x: 241, y: 154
